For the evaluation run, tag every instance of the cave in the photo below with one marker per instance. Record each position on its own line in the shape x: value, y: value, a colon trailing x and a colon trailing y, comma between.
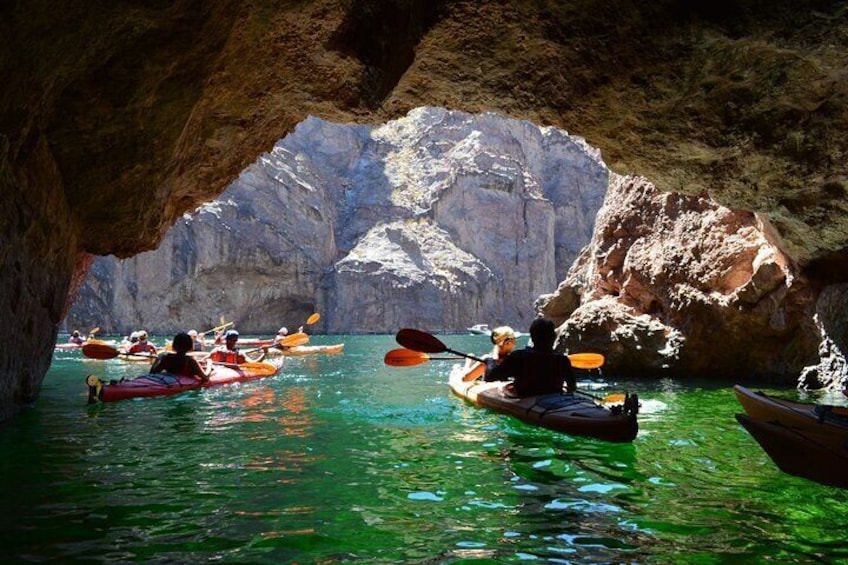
x: 115, y: 121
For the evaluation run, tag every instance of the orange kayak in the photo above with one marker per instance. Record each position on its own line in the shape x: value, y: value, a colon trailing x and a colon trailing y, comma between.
x: 307, y: 350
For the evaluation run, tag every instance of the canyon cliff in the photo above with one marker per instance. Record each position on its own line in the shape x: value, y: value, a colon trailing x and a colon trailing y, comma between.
x: 115, y: 121
x: 435, y: 220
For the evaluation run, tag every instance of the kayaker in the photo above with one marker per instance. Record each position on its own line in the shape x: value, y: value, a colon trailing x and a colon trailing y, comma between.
x: 281, y: 335
x: 228, y: 353
x: 127, y: 342
x: 76, y: 338
x: 503, y: 340
x: 142, y: 346
x: 538, y: 369
x: 178, y: 362
x: 197, y: 341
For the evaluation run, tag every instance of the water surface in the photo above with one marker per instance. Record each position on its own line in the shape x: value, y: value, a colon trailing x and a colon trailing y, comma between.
x: 341, y: 459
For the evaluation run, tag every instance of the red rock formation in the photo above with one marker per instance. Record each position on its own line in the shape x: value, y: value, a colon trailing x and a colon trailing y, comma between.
x: 678, y: 285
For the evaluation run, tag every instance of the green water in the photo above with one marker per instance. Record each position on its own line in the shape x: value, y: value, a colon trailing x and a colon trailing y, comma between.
x: 343, y: 460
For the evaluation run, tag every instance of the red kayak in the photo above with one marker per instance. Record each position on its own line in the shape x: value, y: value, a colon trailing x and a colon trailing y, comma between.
x: 166, y: 384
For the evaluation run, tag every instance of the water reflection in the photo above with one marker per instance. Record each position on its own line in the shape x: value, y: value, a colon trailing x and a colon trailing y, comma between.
x: 342, y: 459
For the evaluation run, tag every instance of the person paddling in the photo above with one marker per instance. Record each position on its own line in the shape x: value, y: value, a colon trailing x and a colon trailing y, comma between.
x: 142, y: 346
x: 229, y: 354
x: 198, y: 342
x: 76, y: 338
x: 503, y: 340
x: 179, y: 362
x: 536, y: 370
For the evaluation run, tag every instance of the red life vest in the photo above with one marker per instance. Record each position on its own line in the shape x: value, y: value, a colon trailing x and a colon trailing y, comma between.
x: 227, y: 356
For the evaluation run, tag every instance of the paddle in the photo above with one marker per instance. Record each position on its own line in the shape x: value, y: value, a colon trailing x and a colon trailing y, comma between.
x: 297, y: 338
x: 216, y: 328
x: 99, y: 351
x: 424, y: 342
x: 292, y: 340
x: 93, y: 331
x: 403, y: 357
x: 103, y: 352
x: 310, y: 320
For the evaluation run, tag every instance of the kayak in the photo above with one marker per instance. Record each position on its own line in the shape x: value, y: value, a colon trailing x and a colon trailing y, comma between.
x: 799, y: 453
x: 159, y: 384
x: 98, y: 351
x: 136, y: 358
x: 568, y: 413
x: 251, y: 342
x: 823, y: 424
x: 75, y: 346
x: 307, y: 350
x: 166, y: 384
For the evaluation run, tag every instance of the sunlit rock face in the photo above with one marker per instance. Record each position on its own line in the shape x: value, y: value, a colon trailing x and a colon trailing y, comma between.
x: 676, y: 285
x: 831, y: 320
x: 438, y: 220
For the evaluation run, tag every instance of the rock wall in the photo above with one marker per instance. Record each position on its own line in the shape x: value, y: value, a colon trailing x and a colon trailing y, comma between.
x: 115, y: 120
x: 677, y: 285
x: 437, y: 220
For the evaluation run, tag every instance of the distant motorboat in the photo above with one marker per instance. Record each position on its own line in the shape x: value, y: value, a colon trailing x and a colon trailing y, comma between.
x: 480, y: 329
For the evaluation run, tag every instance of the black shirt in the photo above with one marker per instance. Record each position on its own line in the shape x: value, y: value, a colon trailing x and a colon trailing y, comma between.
x: 535, y: 372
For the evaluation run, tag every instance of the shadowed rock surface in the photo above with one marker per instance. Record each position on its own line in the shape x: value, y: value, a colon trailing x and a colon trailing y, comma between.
x: 116, y: 120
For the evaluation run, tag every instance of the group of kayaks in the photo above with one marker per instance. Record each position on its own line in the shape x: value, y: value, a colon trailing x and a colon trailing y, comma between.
x: 805, y: 440
x: 165, y: 384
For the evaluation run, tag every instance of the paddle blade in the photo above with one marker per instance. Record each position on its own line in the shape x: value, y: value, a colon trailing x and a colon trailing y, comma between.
x: 99, y: 351
x: 313, y: 318
x: 613, y: 399
x: 403, y: 357
x: 294, y: 340
x: 417, y: 340
x: 94, y: 330
x: 258, y: 368
x: 586, y: 360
